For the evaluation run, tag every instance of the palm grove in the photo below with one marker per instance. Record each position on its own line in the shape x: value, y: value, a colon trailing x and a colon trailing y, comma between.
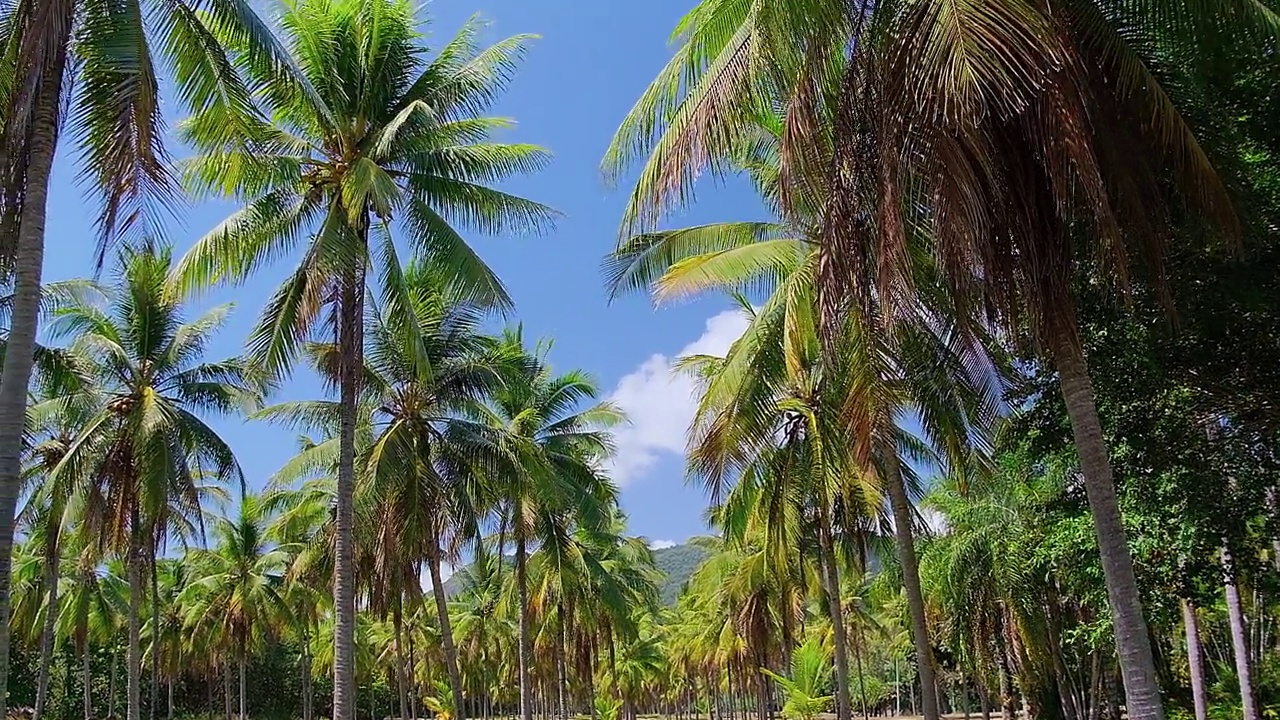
x: 1000, y: 435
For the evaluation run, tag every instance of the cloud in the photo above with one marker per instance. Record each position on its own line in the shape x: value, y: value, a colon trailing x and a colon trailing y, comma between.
x: 660, y: 403
x: 662, y: 544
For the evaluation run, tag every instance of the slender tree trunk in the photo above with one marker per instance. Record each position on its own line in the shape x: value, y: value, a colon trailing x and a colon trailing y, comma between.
x: 563, y: 679
x: 52, y: 556
x: 244, y: 710
x: 306, y: 676
x: 351, y: 353
x: 1133, y: 644
x: 401, y: 675
x: 1195, y: 660
x: 1239, y: 638
x: 862, y: 678
x: 903, y: 521
x: 86, y: 678
x: 831, y: 579
x: 111, y: 683
x: 169, y: 704
x: 155, y: 634
x: 446, y: 632
x: 526, y: 650
x: 133, y: 684
x: 36, y: 94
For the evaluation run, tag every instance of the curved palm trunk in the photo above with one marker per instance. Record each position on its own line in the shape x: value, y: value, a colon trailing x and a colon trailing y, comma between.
x: 1133, y: 643
x: 51, y: 560
x: 133, y: 683
x: 831, y: 579
x: 446, y: 633
x: 43, y: 54
x: 351, y: 354
x: 526, y: 649
x: 1239, y: 638
x: 1195, y: 661
x: 902, y: 528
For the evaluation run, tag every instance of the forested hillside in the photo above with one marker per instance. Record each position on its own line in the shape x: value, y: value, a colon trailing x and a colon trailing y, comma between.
x: 677, y: 563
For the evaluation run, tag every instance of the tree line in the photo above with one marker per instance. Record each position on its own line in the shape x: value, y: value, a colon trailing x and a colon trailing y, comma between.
x: 1020, y: 281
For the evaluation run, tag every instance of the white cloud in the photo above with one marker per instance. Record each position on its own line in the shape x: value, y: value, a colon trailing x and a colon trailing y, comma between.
x: 660, y: 403
x: 662, y: 544
x: 446, y: 572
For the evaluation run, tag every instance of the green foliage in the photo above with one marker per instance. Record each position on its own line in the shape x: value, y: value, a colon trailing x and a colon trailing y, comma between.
x: 810, y: 676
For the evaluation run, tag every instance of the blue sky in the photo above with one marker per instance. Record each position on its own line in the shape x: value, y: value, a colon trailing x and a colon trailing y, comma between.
x: 591, y: 63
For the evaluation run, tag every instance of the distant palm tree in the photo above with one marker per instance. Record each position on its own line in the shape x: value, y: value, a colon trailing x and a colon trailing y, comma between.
x: 95, y: 603
x: 426, y: 364
x: 540, y: 447
x: 237, y: 592
x: 369, y: 136
x: 140, y: 454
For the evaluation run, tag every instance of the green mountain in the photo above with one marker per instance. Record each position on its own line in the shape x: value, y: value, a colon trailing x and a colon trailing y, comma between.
x: 676, y: 563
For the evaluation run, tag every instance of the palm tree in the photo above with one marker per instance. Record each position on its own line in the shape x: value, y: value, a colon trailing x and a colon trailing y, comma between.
x: 426, y: 363
x: 138, y: 457
x: 238, y: 591
x: 1001, y: 131
x: 62, y: 403
x: 104, y: 52
x: 90, y: 615
x: 777, y: 380
x: 540, y: 450
x: 368, y: 131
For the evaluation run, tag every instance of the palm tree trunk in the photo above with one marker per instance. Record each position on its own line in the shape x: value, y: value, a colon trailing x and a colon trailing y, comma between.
x: 86, y: 677
x: 561, y: 671
x: 155, y: 630
x: 243, y: 709
x: 169, y: 704
x: 111, y: 683
x: 831, y: 579
x: 1195, y: 660
x: 446, y: 631
x: 526, y: 650
x: 903, y: 522
x: 42, y: 57
x: 1239, y: 638
x: 351, y: 354
x: 1133, y: 643
x: 133, y: 683
x: 862, y: 678
x: 52, y: 556
x: 402, y: 679
x: 306, y: 676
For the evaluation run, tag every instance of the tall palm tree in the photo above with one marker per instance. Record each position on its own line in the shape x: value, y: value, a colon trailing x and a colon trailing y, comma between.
x: 106, y: 57
x: 540, y: 448
x: 370, y: 135
x: 426, y: 364
x: 1004, y: 132
x: 814, y: 375
x: 239, y: 584
x: 139, y: 455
